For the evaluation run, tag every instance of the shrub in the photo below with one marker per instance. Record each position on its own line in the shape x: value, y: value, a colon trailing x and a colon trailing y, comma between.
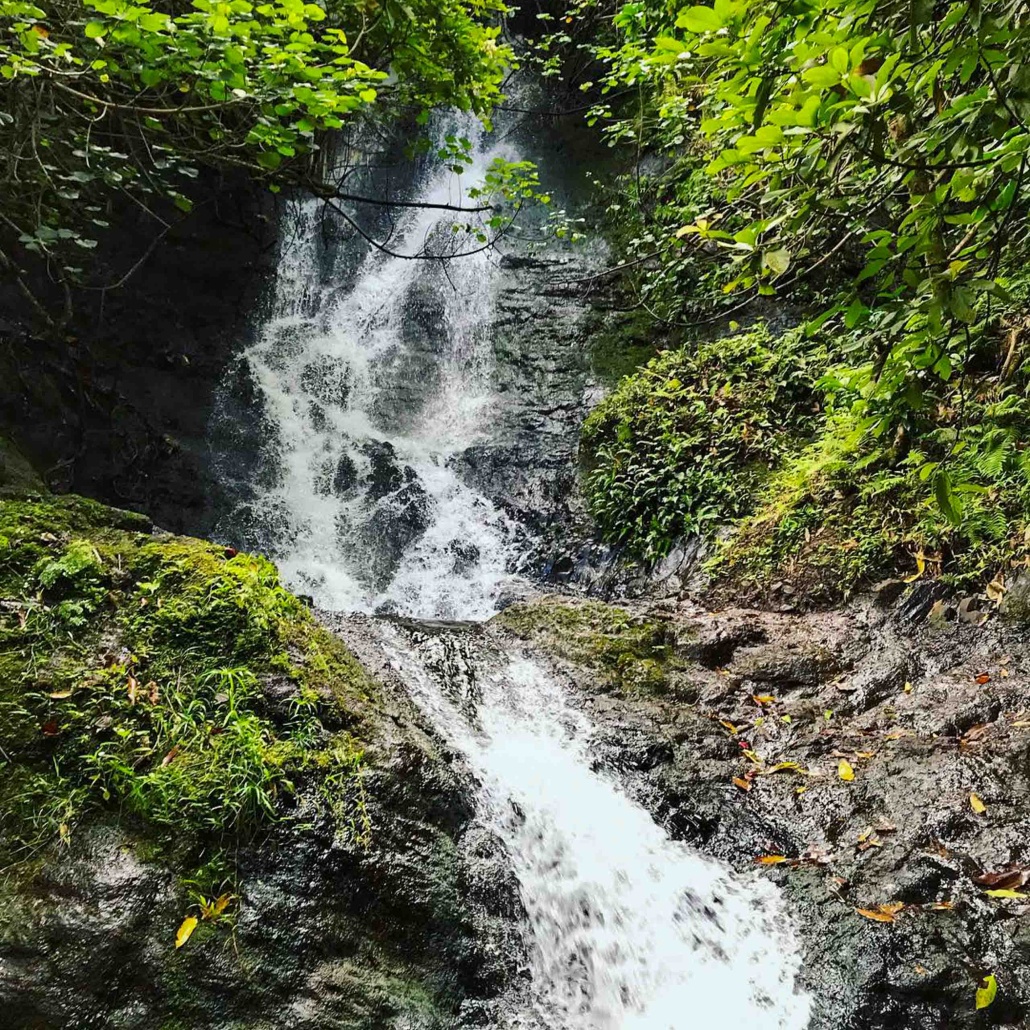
x: 683, y: 445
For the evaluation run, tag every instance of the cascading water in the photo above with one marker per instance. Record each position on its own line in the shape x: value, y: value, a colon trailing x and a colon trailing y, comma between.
x: 369, y: 396
x: 369, y: 393
x: 630, y: 930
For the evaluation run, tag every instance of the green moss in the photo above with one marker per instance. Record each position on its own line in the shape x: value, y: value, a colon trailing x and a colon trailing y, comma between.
x: 133, y: 674
x: 846, y: 511
x: 633, y: 653
x: 620, y: 342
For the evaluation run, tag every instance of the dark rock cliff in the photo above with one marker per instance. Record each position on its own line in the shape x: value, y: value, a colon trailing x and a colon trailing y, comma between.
x: 117, y: 407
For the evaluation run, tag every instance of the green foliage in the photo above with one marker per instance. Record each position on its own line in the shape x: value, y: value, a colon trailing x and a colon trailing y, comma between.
x: 133, y: 675
x: 114, y: 97
x: 845, y: 511
x: 683, y: 445
x: 863, y: 162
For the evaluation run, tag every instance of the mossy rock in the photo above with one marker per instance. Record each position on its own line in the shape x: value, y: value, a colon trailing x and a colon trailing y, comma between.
x: 17, y: 477
x: 633, y: 653
x: 166, y: 677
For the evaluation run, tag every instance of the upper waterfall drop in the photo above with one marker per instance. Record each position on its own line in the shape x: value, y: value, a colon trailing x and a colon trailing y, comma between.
x: 369, y: 390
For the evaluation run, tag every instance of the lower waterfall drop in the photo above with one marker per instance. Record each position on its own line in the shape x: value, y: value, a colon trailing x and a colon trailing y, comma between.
x: 629, y: 930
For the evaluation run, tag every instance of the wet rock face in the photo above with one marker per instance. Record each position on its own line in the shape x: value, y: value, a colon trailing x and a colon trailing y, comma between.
x: 527, y: 461
x: 407, y: 929
x: 926, y: 713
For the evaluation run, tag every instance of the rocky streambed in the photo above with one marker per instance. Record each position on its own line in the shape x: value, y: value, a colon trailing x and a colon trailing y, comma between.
x: 871, y: 761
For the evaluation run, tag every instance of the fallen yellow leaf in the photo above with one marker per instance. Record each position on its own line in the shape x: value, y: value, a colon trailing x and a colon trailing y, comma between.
x: 742, y: 783
x: 844, y: 770
x: 996, y: 589
x: 771, y: 859
x: 986, y: 994
x: 882, y: 913
x: 189, y: 924
x: 729, y: 725
x: 977, y: 805
x: 222, y: 904
x: 1006, y: 893
x: 763, y: 699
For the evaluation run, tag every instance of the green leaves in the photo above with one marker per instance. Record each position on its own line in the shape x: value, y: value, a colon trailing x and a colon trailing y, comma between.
x: 947, y: 498
x: 214, y: 82
x: 699, y: 19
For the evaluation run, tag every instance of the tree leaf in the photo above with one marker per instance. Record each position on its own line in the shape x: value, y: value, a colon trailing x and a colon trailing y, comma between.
x: 844, y: 770
x: 699, y: 19
x: 986, y: 994
x: 976, y: 804
x: 185, y: 931
x: 777, y: 261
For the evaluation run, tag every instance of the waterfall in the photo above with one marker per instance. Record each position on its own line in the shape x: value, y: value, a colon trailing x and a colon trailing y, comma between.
x: 630, y: 930
x: 368, y: 395
x: 370, y: 385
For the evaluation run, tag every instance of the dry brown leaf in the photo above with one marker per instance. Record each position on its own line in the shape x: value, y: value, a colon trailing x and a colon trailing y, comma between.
x: 170, y: 757
x: 976, y: 804
x: 132, y: 686
x: 742, y: 783
x: 1001, y: 879
x: 984, y: 677
x: 996, y: 589
x: 60, y: 695
x: 943, y: 906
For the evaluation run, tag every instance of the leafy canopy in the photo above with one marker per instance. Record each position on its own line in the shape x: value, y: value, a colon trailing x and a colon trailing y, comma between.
x: 112, y: 97
x: 889, y: 134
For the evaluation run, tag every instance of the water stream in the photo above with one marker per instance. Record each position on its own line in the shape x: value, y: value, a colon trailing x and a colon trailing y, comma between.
x: 371, y: 384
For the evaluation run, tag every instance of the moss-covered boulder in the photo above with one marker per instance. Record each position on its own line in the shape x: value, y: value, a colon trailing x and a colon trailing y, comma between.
x: 210, y: 815
x: 630, y: 651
